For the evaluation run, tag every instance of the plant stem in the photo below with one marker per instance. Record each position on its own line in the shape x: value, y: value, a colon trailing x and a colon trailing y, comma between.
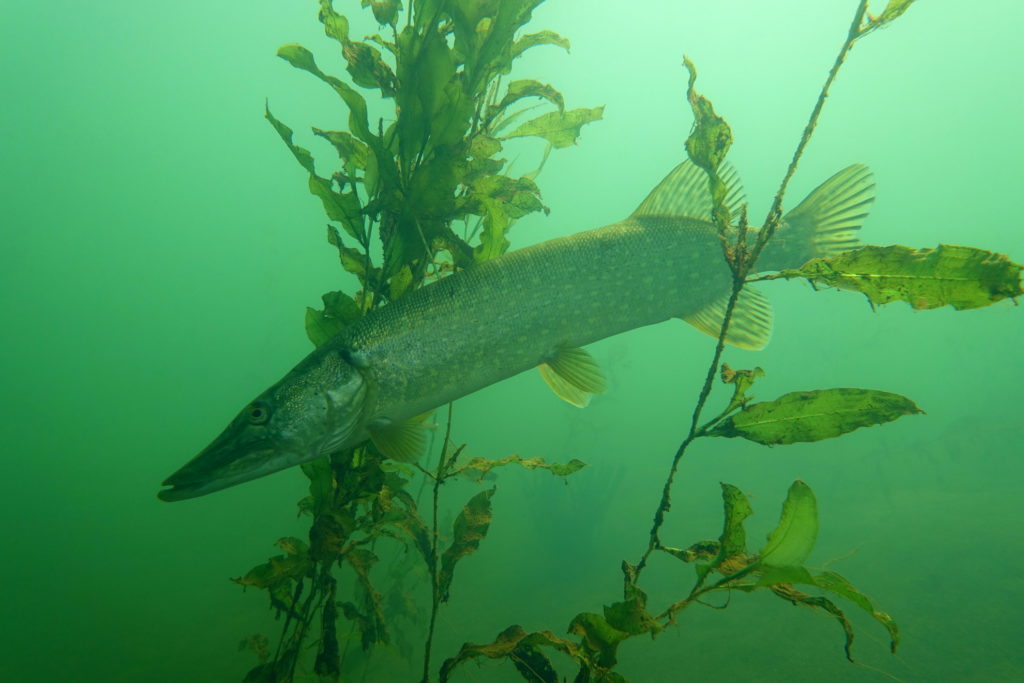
x: 774, y: 217
x: 741, y: 265
x: 435, y: 589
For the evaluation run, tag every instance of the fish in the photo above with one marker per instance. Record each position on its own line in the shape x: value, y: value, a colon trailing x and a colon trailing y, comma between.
x: 535, y: 307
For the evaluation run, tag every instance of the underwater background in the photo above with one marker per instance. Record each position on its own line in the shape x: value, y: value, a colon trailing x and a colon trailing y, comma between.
x: 160, y: 248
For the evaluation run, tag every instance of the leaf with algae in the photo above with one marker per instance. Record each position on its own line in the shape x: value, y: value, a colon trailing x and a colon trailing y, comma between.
x: 803, y: 416
x: 560, y: 128
x: 481, y: 466
x: 470, y: 528
x: 961, y: 277
x: 708, y: 143
x: 522, y: 648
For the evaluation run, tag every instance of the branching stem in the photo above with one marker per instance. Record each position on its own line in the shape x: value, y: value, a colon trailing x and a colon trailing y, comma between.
x: 741, y: 263
x: 435, y: 588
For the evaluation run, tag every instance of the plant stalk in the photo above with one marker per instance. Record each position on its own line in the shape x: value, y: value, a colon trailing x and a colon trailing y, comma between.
x: 741, y: 265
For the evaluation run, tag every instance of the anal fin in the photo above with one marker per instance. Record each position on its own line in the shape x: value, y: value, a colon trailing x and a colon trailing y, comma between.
x: 573, y: 375
x: 751, y: 324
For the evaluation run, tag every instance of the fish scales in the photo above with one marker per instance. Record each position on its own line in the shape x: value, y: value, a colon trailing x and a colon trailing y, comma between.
x: 507, y: 315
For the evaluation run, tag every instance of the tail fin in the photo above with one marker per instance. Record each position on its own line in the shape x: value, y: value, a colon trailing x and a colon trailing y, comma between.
x: 825, y: 223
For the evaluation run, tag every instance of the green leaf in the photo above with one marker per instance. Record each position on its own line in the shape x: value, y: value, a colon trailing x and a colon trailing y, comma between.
x: 559, y: 128
x: 814, y: 415
x: 374, y: 626
x: 339, y: 311
x: 384, y: 11
x: 484, y: 465
x: 787, y: 592
x: 894, y: 9
x: 540, y: 38
x: 335, y: 25
x: 519, y: 646
x: 352, y: 260
x: 342, y: 207
x: 792, y: 540
x: 630, y: 616
x: 301, y: 58
x: 350, y: 150
x: 733, y: 540
x: 961, y: 277
x: 470, y: 528
x: 836, y: 583
x: 321, y: 482
x: 708, y: 143
x: 500, y: 200
x: 520, y: 89
x: 741, y: 380
x: 367, y: 68
x: 301, y: 154
x: 701, y: 550
x: 600, y: 638
x: 277, y: 570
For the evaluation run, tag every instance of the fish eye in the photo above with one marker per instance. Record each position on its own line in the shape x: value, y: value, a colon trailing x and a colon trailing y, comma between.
x: 257, y: 413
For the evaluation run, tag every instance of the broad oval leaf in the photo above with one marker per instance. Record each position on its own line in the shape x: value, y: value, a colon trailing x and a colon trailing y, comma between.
x: 792, y: 540
x: 961, y: 277
x: 803, y: 416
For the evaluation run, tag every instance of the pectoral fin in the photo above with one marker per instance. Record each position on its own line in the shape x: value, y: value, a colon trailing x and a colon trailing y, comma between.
x: 402, y: 441
x: 573, y: 375
x: 751, y: 324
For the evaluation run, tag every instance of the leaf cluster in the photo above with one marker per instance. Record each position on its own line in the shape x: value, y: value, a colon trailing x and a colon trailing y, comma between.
x: 721, y: 566
x: 404, y: 180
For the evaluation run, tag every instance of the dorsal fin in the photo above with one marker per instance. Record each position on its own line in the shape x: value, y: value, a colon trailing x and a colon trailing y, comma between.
x: 573, y: 375
x: 684, y: 192
x: 751, y: 324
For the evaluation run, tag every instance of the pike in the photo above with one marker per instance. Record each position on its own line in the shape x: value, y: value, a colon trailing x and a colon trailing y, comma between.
x: 534, y: 307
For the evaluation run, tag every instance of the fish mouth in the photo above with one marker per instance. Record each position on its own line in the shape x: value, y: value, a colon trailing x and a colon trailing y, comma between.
x: 185, y: 484
x: 218, y: 467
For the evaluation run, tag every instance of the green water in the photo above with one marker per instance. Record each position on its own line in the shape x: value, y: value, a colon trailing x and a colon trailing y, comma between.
x: 159, y: 248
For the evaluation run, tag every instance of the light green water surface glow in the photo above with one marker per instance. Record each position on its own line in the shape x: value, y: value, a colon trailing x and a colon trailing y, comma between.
x: 159, y: 249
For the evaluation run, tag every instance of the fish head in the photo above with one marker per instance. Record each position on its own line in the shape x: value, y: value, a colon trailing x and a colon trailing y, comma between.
x: 316, y: 409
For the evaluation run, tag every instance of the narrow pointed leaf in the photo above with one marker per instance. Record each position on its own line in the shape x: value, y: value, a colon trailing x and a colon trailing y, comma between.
x: 787, y: 592
x: 484, y: 465
x: 539, y: 38
x: 803, y: 416
x: 301, y: 154
x: 839, y: 585
x: 961, y: 277
x: 518, y: 645
x: 517, y: 90
x: 301, y: 58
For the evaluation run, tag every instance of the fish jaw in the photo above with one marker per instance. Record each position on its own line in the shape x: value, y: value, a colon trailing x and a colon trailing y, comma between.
x: 317, y: 408
x: 231, y: 459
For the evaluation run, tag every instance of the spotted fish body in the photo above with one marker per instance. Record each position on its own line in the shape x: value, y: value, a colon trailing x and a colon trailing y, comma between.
x: 532, y: 307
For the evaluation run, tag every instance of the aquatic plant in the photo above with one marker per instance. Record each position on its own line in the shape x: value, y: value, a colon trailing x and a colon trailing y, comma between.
x: 396, y: 205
